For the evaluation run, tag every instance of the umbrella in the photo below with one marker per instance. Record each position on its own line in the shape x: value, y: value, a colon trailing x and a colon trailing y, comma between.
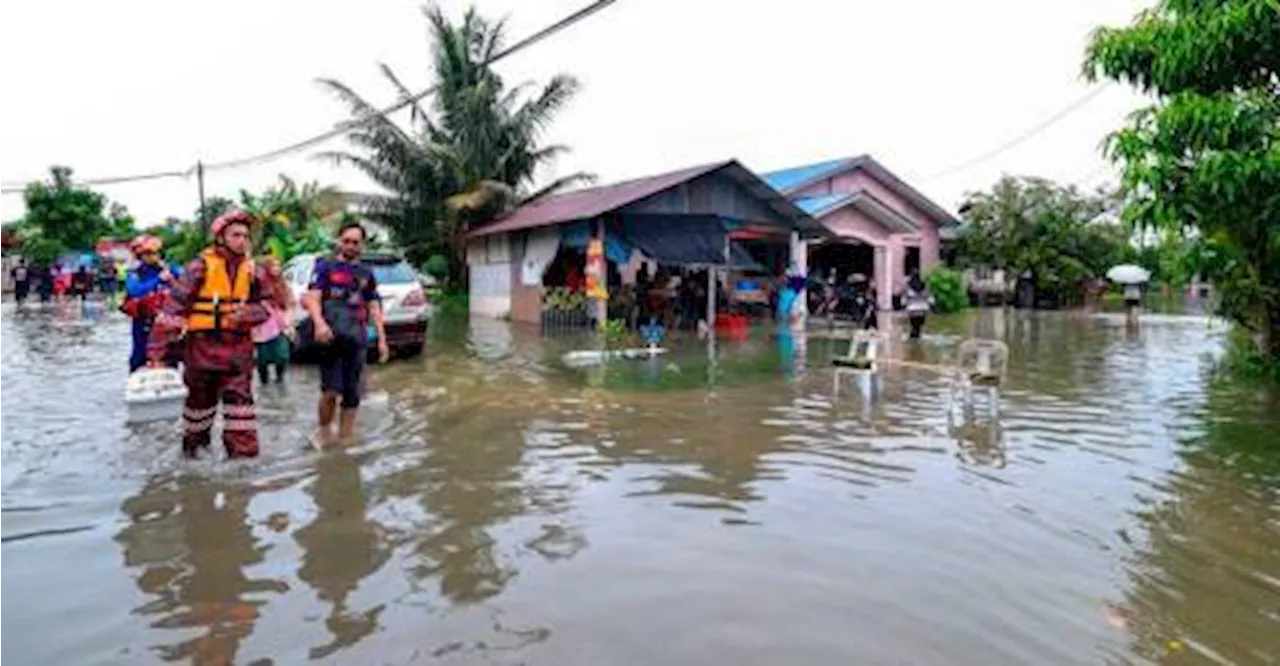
x: 1128, y: 274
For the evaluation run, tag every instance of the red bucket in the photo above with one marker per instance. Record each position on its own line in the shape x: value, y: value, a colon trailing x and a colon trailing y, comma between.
x: 731, y: 325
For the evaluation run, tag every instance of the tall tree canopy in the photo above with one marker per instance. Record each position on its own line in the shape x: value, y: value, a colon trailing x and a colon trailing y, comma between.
x: 1206, y: 154
x: 62, y: 216
x: 1057, y: 232
x: 471, y: 154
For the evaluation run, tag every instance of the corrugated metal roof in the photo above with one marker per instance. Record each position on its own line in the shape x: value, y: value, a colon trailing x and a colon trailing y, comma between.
x: 595, y: 201
x: 817, y: 206
x: 790, y: 180
x: 787, y: 179
x: 952, y: 232
x: 592, y: 201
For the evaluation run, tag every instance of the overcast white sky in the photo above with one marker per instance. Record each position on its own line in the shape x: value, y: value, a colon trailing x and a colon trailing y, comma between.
x: 134, y: 86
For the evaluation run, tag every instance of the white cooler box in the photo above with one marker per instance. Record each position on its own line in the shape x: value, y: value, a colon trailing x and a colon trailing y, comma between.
x: 154, y: 394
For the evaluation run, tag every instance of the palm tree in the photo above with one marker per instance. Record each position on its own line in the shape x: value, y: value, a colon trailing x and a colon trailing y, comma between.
x: 294, y: 218
x: 474, y: 156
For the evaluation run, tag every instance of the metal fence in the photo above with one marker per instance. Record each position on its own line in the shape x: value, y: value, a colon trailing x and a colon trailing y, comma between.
x: 566, y: 320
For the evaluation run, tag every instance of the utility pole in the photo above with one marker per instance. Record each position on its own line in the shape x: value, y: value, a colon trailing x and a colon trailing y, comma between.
x: 204, y: 216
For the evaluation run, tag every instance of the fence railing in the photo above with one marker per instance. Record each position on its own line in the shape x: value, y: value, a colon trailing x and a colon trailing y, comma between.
x: 560, y: 319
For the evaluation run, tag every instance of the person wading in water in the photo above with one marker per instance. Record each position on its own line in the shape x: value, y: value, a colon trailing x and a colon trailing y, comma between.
x: 21, y: 281
x: 917, y: 303
x: 342, y: 300
x: 145, y: 288
x: 218, y: 300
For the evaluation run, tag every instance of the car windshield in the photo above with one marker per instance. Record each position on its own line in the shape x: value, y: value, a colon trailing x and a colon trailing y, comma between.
x: 397, y: 273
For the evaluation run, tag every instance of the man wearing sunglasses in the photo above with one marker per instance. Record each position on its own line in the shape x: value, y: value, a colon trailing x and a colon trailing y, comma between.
x: 342, y: 300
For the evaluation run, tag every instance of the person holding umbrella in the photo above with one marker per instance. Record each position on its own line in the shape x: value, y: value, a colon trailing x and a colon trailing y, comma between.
x: 1131, y: 278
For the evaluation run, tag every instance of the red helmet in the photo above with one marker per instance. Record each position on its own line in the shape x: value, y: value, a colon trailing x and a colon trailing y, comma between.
x: 145, y: 243
x: 228, y: 218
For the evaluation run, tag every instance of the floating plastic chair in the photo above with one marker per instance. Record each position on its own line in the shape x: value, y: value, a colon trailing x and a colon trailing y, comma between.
x: 864, y: 348
x: 154, y: 394
x: 982, y: 362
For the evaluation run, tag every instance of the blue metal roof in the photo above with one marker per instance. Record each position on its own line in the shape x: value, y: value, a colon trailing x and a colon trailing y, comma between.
x: 788, y: 178
x: 820, y: 204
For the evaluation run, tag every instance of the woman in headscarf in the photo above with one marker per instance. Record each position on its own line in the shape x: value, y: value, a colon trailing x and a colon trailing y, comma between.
x: 144, y: 289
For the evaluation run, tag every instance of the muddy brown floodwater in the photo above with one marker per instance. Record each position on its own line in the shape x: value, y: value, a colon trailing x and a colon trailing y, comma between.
x: 1120, y: 504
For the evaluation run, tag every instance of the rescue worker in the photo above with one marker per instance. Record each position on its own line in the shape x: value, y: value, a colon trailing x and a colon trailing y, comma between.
x: 213, y: 306
x: 145, y: 287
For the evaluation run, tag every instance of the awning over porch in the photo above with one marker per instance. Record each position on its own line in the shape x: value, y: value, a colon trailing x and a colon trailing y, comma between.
x: 678, y: 240
x: 686, y: 240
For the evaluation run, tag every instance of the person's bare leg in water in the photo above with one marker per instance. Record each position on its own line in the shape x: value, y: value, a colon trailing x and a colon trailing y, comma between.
x: 347, y: 423
x: 325, y: 411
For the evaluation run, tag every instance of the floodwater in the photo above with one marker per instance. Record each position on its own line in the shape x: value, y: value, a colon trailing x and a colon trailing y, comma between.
x: 1117, y: 503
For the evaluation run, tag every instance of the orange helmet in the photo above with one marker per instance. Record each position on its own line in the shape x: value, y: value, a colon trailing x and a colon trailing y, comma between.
x: 231, y: 217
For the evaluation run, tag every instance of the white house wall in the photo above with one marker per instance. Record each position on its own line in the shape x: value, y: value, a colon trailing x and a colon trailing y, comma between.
x: 489, y: 267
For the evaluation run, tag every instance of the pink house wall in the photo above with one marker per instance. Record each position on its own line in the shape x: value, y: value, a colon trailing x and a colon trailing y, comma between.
x: 846, y: 222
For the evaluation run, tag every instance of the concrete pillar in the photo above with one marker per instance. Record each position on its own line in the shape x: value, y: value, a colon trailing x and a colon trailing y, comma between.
x: 799, y: 253
x: 800, y: 260
x: 884, y: 261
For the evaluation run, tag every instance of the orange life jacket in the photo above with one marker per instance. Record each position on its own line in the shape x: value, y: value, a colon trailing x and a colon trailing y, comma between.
x: 220, y: 296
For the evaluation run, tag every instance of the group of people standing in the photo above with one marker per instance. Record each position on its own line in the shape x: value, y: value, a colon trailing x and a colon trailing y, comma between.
x: 226, y: 312
x: 856, y: 300
x: 56, y: 281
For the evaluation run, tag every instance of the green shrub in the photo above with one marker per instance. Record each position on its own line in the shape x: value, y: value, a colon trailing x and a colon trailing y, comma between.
x: 449, y: 301
x: 437, y: 266
x: 947, y: 288
x: 1244, y: 358
x: 615, y: 333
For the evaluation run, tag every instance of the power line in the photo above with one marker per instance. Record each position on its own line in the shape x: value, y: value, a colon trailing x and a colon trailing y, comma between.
x: 16, y: 188
x: 1043, y: 125
x: 345, y: 126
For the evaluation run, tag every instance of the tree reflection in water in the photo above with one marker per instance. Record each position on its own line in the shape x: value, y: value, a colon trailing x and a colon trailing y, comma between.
x: 1205, y: 583
x: 340, y: 548
x: 478, y: 472
x: 193, y: 548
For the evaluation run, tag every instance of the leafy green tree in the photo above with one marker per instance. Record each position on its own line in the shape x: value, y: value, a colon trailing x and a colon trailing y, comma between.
x: 122, y: 223
x: 1206, y: 154
x: 61, y: 216
x: 183, y: 239
x: 468, y: 157
x: 1172, y: 257
x: 213, y: 207
x: 1059, y: 233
